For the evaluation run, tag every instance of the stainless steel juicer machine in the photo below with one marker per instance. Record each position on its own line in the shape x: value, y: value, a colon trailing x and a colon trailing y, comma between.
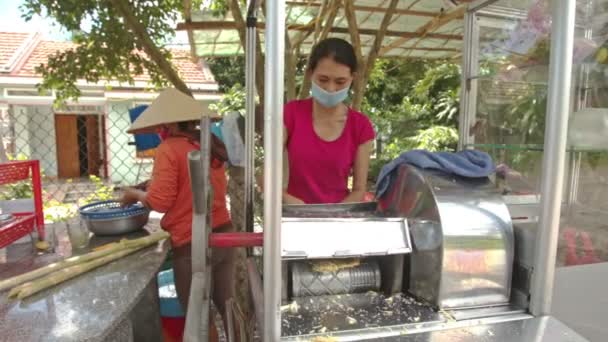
x: 434, y: 249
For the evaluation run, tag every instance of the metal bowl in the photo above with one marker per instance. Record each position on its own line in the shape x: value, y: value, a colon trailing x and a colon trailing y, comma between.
x: 109, y: 218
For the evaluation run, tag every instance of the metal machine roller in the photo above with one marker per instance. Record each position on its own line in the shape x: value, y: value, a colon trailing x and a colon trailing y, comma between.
x: 352, y: 276
x: 434, y: 242
x: 328, y: 250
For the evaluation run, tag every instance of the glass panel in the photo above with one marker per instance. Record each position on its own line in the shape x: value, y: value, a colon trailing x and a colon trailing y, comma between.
x: 511, y: 102
x: 512, y: 86
x: 584, y: 229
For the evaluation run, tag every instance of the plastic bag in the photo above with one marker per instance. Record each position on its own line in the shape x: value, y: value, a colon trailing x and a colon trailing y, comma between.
x: 232, y: 139
x: 589, y: 129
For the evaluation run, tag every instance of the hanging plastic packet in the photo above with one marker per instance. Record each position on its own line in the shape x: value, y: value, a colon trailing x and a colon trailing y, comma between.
x: 232, y: 139
x: 589, y: 129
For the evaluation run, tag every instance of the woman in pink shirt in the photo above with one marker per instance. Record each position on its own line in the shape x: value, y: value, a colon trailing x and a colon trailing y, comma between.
x: 326, y: 141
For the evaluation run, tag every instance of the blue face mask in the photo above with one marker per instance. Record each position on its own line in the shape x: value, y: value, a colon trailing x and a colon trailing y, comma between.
x: 327, y: 99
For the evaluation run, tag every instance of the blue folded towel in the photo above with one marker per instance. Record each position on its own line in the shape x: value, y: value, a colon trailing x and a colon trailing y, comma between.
x: 467, y: 163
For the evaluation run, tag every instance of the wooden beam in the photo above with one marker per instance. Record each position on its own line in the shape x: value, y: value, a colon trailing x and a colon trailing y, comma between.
x: 375, y: 9
x: 373, y: 53
x: 320, y: 18
x: 426, y: 29
x: 353, y: 28
x: 329, y: 23
x: 316, y: 21
x: 369, y: 14
x: 355, y: 38
x: 230, y: 25
x: 380, y: 37
x: 366, y: 46
x: 292, y: 49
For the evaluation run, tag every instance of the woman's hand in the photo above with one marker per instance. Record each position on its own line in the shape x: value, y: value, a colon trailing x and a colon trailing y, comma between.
x: 132, y: 196
x: 360, y: 171
x: 289, y: 199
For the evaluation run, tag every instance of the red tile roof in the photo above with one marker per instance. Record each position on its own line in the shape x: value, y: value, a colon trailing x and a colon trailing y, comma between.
x: 41, y: 53
x: 9, y: 45
x: 190, y: 71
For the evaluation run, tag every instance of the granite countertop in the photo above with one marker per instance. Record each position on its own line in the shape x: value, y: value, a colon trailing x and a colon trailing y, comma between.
x: 88, y: 307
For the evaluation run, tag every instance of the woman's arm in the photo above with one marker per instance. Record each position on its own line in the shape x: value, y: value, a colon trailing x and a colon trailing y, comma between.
x: 289, y: 199
x: 162, y: 190
x: 132, y: 196
x: 360, y: 171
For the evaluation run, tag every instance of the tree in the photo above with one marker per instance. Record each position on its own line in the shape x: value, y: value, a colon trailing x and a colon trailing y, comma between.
x: 413, y: 105
x: 115, y: 40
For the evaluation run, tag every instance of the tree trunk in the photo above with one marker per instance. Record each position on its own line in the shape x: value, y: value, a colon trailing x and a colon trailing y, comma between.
x: 149, y: 46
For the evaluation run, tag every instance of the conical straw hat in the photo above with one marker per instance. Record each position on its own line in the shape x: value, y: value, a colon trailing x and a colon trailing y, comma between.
x: 170, y: 106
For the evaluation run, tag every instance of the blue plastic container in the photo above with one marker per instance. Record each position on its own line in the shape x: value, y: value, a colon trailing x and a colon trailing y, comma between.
x: 169, y: 304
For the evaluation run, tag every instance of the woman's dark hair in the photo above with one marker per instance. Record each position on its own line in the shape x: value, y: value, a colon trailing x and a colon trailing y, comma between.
x: 185, y: 126
x: 335, y: 48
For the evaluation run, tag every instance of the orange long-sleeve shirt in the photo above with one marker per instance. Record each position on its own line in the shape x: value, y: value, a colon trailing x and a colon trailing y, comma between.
x: 169, y: 190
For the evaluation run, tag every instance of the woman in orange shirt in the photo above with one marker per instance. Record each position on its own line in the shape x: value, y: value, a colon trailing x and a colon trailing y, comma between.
x: 176, y: 115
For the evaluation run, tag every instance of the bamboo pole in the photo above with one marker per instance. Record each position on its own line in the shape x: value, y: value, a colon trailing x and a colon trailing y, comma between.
x: 70, y: 262
x: 230, y: 25
x: 423, y: 31
x: 375, y: 9
x: 329, y: 23
x: 353, y: 30
x: 367, y: 68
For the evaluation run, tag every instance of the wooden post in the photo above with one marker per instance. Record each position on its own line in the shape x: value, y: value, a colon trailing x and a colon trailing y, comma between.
x: 368, y: 66
x: 335, y: 5
x: 353, y: 29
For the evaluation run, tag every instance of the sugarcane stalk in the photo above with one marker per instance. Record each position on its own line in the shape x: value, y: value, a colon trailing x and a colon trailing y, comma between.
x: 28, y: 289
x: 69, y: 262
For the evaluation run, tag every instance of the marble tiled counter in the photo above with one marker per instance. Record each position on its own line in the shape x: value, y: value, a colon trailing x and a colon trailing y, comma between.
x: 110, y: 303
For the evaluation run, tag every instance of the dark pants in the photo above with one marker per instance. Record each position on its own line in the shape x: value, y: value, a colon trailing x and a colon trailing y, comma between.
x: 223, y: 266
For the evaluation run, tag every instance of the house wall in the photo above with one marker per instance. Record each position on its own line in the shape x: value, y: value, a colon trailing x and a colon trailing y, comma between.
x: 35, y: 137
x: 20, y: 125
x: 41, y: 131
x: 122, y: 166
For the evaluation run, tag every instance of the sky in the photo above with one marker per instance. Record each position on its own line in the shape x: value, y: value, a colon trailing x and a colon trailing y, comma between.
x: 11, y: 20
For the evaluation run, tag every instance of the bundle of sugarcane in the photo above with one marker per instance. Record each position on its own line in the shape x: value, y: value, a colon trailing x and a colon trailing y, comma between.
x: 53, y: 274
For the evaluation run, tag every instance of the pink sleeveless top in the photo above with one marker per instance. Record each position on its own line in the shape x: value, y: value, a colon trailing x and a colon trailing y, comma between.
x: 319, y: 169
